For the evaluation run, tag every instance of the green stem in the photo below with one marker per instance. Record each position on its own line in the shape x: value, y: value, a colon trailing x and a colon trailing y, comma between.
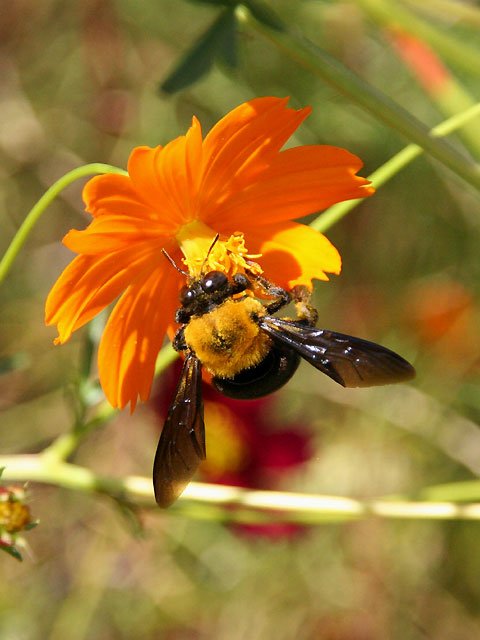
x: 36, y: 212
x: 380, y: 106
x: 67, y: 443
x: 393, y: 166
x: 234, y: 503
x: 468, y: 490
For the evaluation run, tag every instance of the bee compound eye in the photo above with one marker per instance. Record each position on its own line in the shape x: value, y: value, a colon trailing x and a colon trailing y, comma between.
x: 187, y: 295
x: 214, y: 281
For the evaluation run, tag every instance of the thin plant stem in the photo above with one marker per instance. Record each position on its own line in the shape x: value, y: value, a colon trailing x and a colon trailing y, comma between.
x: 39, y: 208
x: 393, y: 166
x: 228, y: 503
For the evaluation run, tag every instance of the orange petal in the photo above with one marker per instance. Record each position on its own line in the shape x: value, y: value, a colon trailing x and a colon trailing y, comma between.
x: 299, y: 181
x: 114, y: 194
x: 167, y: 177
x: 242, y: 144
x: 90, y: 283
x: 134, y: 335
x: 293, y: 254
x: 115, y: 232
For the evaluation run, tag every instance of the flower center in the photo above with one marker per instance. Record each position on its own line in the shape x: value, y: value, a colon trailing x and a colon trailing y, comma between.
x: 205, y: 252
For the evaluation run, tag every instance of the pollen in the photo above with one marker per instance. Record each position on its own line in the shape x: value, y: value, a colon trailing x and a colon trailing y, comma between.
x: 204, y: 251
x: 229, y: 256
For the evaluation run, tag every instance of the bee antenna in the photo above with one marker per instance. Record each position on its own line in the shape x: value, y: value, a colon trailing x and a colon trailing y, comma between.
x: 215, y: 240
x: 174, y: 264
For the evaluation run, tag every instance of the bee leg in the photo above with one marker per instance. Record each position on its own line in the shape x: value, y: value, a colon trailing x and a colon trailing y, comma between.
x: 305, y: 311
x: 282, y: 296
x: 178, y: 342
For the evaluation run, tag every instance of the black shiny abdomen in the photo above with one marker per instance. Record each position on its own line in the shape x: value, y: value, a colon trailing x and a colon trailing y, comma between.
x: 270, y: 374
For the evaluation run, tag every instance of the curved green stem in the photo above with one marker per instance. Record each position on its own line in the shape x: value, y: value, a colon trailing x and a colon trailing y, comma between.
x: 221, y: 502
x: 393, y: 166
x: 36, y: 212
x: 379, y: 105
x: 67, y: 443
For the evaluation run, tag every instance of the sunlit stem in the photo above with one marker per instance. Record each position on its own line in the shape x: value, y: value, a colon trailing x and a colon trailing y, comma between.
x: 235, y: 504
x: 393, y: 166
x: 38, y: 209
x: 369, y: 98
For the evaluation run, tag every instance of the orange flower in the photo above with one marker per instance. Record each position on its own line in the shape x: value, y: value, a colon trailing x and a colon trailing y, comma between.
x: 237, y: 183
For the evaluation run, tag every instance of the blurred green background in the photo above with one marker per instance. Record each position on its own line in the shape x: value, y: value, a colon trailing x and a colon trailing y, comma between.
x: 80, y: 83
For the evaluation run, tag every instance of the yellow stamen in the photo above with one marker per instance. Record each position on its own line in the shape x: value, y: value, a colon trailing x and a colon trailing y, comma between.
x: 201, y: 255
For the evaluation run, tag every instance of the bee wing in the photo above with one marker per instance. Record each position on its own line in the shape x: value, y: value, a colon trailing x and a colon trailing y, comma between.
x: 182, y: 443
x: 352, y: 362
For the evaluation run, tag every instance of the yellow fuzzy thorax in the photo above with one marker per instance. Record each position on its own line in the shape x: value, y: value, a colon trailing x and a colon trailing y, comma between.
x: 227, y: 340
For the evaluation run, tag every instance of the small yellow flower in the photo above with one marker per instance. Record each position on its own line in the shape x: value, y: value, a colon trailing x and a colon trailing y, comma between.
x: 14, y: 513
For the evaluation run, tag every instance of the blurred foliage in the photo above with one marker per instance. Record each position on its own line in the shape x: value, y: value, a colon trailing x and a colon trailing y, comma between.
x: 218, y: 43
x: 80, y: 84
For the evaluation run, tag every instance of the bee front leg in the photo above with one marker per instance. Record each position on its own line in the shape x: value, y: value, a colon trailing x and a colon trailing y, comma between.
x: 282, y: 296
x: 178, y: 342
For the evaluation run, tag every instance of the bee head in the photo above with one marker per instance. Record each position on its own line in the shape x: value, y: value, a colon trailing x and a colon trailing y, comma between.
x: 207, y: 292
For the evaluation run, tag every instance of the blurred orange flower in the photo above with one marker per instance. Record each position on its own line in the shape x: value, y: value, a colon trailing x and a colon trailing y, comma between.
x: 443, y: 316
x: 235, y: 182
x: 423, y: 62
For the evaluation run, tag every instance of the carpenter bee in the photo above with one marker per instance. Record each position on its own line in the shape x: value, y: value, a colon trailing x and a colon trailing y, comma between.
x: 250, y: 353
